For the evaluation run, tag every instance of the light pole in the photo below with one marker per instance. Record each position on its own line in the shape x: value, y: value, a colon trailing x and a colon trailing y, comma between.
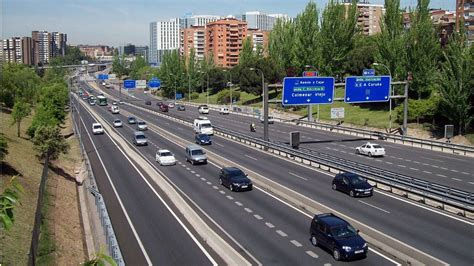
x: 265, y: 105
x: 207, y: 88
x: 189, y: 87
x: 310, y: 106
x: 230, y: 86
x: 390, y: 98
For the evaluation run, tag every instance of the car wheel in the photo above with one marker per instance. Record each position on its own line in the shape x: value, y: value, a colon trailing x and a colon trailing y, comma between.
x: 336, y: 254
x: 334, y: 187
x: 357, y: 151
x: 370, y: 154
x: 351, y: 193
x: 314, y: 241
x: 231, y: 188
x: 192, y: 162
x: 220, y: 181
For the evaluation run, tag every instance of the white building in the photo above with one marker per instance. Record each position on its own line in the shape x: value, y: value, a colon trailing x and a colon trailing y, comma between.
x: 262, y: 21
x: 197, y: 20
x: 164, y: 37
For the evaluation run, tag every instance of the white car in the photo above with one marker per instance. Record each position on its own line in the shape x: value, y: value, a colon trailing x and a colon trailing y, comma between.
x: 118, y: 123
x: 371, y: 149
x: 203, y: 109
x: 142, y: 125
x: 97, y: 129
x: 271, y: 120
x: 165, y: 157
x: 171, y: 105
x: 224, y: 111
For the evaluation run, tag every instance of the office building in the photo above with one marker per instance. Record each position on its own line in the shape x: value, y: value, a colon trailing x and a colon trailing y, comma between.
x: 95, y: 51
x: 164, y: 38
x: 47, y: 45
x: 58, y: 44
x: 262, y: 21
x: 141, y: 51
x: 468, y: 15
x: 370, y: 16
x: 197, y: 20
x: 193, y: 37
x: 18, y: 49
x: 224, y: 40
x: 259, y: 38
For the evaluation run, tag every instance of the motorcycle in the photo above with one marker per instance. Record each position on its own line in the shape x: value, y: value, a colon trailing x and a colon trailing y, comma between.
x: 252, y: 128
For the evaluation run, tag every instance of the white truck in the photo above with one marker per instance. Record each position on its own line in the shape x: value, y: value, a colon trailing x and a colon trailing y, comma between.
x: 202, y: 125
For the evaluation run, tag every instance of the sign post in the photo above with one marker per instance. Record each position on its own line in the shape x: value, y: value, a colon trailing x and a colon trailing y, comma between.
x: 129, y: 84
x: 367, y: 89
x: 448, y: 132
x: 308, y: 90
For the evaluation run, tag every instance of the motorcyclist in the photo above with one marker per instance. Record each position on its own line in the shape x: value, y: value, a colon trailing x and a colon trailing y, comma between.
x: 252, y: 127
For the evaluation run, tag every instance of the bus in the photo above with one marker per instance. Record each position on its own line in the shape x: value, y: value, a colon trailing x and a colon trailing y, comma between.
x: 102, y: 100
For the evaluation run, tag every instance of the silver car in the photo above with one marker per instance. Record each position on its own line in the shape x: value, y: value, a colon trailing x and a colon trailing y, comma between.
x: 195, y: 154
x: 140, y: 139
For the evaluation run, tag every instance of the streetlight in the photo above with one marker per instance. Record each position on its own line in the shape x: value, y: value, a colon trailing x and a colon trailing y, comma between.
x: 207, y: 88
x: 230, y: 86
x: 265, y: 105
x: 390, y: 99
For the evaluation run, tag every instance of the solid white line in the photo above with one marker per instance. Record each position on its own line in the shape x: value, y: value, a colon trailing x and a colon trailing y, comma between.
x: 293, y: 174
x: 387, y: 258
x: 255, y: 159
x: 373, y: 206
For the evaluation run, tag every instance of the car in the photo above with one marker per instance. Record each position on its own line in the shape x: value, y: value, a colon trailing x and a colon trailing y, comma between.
x: 195, y: 154
x: 338, y: 236
x: 164, y: 108
x: 165, y: 157
x: 97, y: 129
x: 271, y: 119
x: 115, y: 109
x: 171, y: 105
x: 181, y: 107
x: 234, y: 179
x: 121, y: 102
x: 132, y: 120
x: 352, y: 184
x: 203, y: 109
x: 141, y: 125
x: 224, y: 111
x: 371, y: 149
x: 91, y: 102
x: 148, y: 102
x: 139, y: 139
x: 118, y: 123
x: 159, y: 103
x: 114, y: 103
x: 203, y: 139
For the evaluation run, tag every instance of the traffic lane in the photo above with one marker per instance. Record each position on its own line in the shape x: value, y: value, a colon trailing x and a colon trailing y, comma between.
x: 321, y: 192
x: 129, y: 245
x: 161, y: 234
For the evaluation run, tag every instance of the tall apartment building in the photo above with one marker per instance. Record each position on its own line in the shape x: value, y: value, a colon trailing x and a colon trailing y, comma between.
x: 369, y: 16
x: 18, y: 49
x: 164, y: 37
x: 468, y: 14
x: 58, y: 44
x: 224, y: 40
x: 193, y: 37
x: 48, y: 45
x: 259, y: 38
x: 197, y: 20
x: 262, y: 21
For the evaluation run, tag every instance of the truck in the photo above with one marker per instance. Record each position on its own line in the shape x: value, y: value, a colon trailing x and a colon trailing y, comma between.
x: 202, y: 125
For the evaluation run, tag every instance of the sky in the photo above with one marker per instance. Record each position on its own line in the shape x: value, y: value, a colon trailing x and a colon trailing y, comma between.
x: 117, y: 22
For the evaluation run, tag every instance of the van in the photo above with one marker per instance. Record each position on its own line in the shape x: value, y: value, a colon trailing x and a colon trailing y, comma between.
x: 195, y: 154
x: 202, y: 125
x: 115, y: 109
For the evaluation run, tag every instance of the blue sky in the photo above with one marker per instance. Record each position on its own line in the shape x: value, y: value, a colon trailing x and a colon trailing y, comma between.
x: 116, y: 22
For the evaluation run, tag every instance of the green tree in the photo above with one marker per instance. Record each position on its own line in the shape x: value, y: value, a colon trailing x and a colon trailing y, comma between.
x: 192, y: 68
x: 172, y: 74
x: 362, y: 56
x: 456, y: 80
x: 247, y: 56
x: 338, y: 31
x: 3, y: 147
x: 423, y: 50
x: 391, y: 41
x: 118, y: 66
x: 18, y: 80
x: 9, y: 199
x: 281, y: 41
x: 21, y: 109
x: 137, y: 65
x: 49, y: 143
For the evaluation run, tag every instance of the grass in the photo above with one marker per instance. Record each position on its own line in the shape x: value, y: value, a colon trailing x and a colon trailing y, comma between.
x: 470, y: 137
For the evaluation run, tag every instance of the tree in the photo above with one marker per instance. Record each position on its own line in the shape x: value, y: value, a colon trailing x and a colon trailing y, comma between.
x: 138, y: 64
x: 118, y: 66
x: 18, y: 81
x: 362, y: 56
x: 455, y: 82
x: 281, y: 40
x: 49, y: 143
x: 391, y: 40
x: 338, y: 31
x: 172, y: 74
x: 21, y: 109
x: 3, y: 147
x: 423, y: 50
x: 247, y: 56
x: 9, y: 199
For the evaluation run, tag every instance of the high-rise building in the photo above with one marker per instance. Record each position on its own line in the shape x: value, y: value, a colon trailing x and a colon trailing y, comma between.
x: 468, y: 14
x: 224, y: 40
x: 164, y: 37
x: 193, y: 37
x: 197, y: 20
x: 370, y: 16
x: 58, y: 44
x: 41, y: 42
x: 259, y: 38
x: 141, y: 51
x: 18, y: 49
x: 262, y: 21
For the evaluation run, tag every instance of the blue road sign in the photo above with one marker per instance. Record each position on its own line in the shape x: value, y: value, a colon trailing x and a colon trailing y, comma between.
x: 154, y: 83
x: 179, y: 96
x: 129, y: 84
x: 102, y: 76
x: 308, y: 90
x: 368, y: 72
x: 367, y: 89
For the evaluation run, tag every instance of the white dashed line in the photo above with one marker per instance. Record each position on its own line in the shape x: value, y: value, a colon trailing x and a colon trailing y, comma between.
x: 296, y: 243
x: 416, y: 162
x: 248, y: 210
x: 269, y: 225
x: 198, y: 175
x: 187, y: 168
x: 444, y: 168
x: 193, y: 172
x: 327, y: 264
x: 203, y: 179
x: 222, y: 192
x: 456, y: 171
x: 229, y: 197
x: 415, y: 169
x: 255, y: 159
x: 457, y: 179
x: 388, y: 163
x: 344, y: 151
x: 440, y: 175
x: 298, y: 176
x: 312, y: 254
x: 435, y: 166
x: 401, y: 165
x: 472, y: 183
x: 218, y: 144
x: 238, y: 203
x: 428, y: 172
x: 179, y: 128
x: 283, y: 234
x: 258, y: 217
x: 464, y: 173
x: 215, y: 187
x: 209, y: 183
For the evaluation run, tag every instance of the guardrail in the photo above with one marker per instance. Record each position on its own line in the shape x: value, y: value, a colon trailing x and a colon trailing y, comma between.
x: 113, y: 247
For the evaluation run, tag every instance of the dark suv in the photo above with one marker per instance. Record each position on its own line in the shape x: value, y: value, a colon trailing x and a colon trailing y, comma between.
x: 338, y: 236
x: 353, y: 184
x: 234, y: 179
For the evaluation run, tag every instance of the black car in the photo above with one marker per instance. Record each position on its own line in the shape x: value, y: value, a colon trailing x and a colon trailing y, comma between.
x: 353, y: 184
x: 159, y: 103
x: 181, y: 107
x: 338, y: 236
x: 234, y: 179
x: 132, y: 120
x: 148, y: 102
x: 203, y: 139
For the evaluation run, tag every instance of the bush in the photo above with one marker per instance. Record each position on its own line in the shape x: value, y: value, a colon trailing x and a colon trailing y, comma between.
x: 194, y: 95
x: 223, y: 97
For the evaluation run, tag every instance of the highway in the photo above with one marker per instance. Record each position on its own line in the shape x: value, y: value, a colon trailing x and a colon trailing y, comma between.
x: 400, y: 219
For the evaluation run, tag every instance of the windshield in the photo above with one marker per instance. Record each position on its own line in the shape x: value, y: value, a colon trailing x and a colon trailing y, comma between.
x: 97, y: 126
x: 117, y: 121
x: 206, y: 126
x: 166, y: 154
x: 343, y: 231
x: 140, y: 137
x: 203, y: 136
x: 141, y: 123
x: 197, y: 152
x: 357, y: 180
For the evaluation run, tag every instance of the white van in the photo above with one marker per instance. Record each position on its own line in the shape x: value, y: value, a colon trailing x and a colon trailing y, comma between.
x: 115, y: 109
x: 202, y: 125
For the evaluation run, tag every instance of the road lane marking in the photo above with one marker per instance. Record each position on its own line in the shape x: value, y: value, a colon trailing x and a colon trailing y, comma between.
x: 457, y: 179
x: 281, y: 233
x: 198, y: 175
x: 215, y: 187
x: 209, y: 183
x: 269, y: 225
x: 440, y: 175
x: 293, y: 174
x: 452, y: 158
x: 388, y: 163
x: 258, y: 217
x: 472, y: 183
x: 296, y: 243
x: 222, y: 192
x: 464, y: 173
x: 444, y: 168
x: 248, y: 210
x: 415, y: 169
x: 255, y: 159
x: 312, y: 254
x: 238, y: 203
x: 428, y: 172
x: 203, y: 179
x: 432, y: 159
x: 373, y: 206
x: 218, y: 144
x: 229, y: 197
x: 401, y: 165
x: 456, y: 171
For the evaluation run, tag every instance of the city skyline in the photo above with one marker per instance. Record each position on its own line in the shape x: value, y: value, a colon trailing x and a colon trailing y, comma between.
x: 119, y: 22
